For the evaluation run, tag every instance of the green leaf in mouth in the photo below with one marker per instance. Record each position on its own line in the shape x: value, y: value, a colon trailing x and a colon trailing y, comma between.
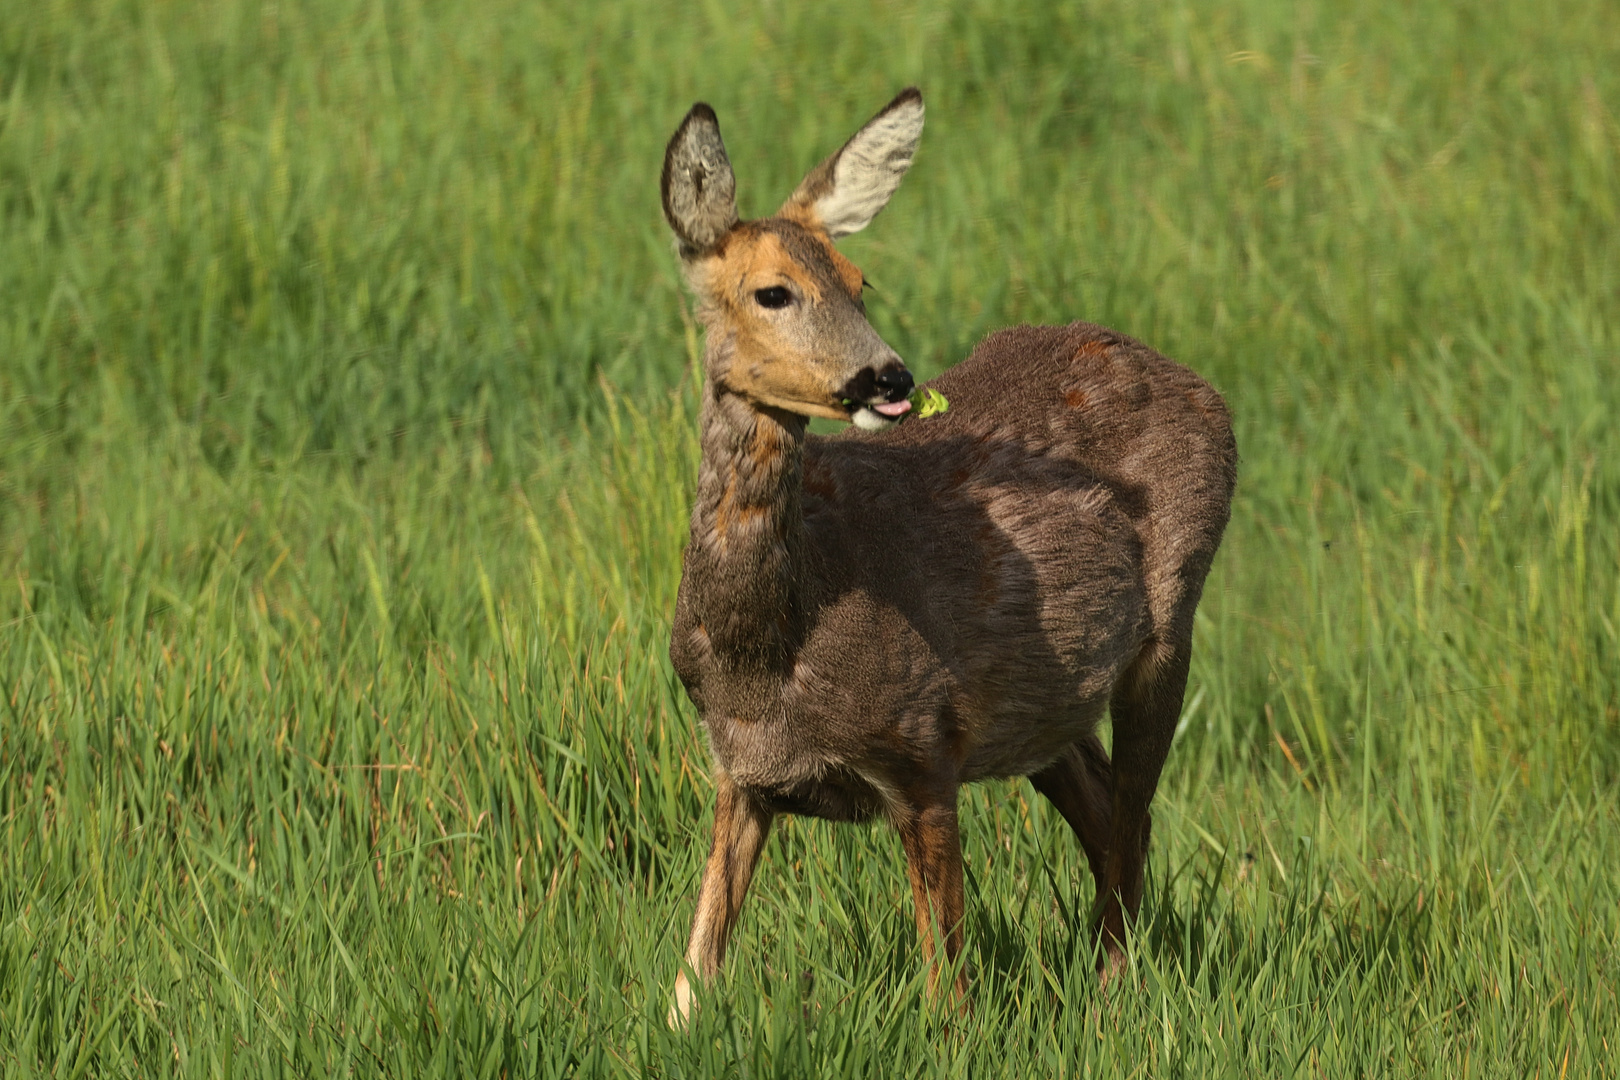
x: 926, y: 402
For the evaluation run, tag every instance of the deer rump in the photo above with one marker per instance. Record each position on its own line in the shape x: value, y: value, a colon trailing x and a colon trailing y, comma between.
x: 981, y: 580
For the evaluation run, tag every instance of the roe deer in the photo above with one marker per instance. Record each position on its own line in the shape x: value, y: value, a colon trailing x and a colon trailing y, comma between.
x: 867, y: 623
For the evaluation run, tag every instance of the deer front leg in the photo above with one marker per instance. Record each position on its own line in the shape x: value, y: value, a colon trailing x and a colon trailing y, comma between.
x: 740, y: 827
x: 933, y: 846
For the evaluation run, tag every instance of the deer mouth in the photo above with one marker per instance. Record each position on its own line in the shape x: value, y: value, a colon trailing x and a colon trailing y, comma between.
x: 878, y: 399
x: 879, y: 415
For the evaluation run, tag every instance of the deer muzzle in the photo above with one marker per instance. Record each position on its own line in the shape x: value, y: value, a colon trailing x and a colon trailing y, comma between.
x: 876, y: 396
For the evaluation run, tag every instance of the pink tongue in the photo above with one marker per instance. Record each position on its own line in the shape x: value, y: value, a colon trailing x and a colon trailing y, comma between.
x: 893, y: 408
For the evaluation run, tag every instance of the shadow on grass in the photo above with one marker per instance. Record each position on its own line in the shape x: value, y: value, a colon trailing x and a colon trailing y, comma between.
x: 1217, y: 930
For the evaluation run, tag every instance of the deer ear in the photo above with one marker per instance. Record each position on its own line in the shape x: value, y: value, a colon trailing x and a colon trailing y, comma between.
x: 844, y: 193
x: 700, y: 193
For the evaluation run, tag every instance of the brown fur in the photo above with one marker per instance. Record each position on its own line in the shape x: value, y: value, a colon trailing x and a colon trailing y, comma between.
x: 866, y: 623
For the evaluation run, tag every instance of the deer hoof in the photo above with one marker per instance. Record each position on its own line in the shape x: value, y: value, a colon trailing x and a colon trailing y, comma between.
x: 1112, y: 967
x: 680, y: 1010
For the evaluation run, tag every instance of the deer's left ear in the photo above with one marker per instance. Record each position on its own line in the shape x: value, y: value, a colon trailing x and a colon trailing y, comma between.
x: 844, y: 193
x: 699, y: 191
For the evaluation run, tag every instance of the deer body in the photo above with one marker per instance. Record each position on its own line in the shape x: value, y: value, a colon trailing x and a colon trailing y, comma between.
x: 866, y: 623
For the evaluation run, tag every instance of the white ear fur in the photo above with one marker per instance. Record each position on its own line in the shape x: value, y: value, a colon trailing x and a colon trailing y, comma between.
x: 845, y: 192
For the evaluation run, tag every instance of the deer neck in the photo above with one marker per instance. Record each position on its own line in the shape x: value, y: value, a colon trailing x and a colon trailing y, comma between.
x: 746, y: 561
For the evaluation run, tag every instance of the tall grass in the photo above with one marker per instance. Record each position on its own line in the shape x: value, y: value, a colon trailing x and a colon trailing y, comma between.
x: 346, y: 438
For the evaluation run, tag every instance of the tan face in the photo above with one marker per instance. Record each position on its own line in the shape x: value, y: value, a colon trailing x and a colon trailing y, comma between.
x: 786, y: 325
x: 791, y: 307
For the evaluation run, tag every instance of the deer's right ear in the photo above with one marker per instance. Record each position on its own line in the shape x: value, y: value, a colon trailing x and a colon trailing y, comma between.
x: 700, y: 193
x: 844, y: 193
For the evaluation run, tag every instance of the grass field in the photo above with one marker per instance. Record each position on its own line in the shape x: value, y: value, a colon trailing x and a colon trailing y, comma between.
x: 346, y: 436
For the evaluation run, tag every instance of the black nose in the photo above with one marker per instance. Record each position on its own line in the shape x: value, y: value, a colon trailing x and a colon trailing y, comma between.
x: 895, y: 382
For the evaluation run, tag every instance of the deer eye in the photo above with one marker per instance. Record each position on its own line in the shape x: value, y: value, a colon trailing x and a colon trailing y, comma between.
x: 774, y: 297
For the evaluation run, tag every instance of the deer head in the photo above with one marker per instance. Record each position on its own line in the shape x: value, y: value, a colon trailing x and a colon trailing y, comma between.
x: 786, y: 323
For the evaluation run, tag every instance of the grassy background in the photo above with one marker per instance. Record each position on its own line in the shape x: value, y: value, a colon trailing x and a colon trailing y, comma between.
x: 346, y: 435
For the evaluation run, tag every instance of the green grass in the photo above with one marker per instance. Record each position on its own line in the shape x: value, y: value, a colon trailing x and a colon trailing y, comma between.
x: 346, y: 436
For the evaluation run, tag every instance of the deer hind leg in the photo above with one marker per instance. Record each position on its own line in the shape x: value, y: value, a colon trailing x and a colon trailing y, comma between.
x: 740, y: 827
x: 933, y: 844
x: 1078, y: 784
x: 1145, y: 708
